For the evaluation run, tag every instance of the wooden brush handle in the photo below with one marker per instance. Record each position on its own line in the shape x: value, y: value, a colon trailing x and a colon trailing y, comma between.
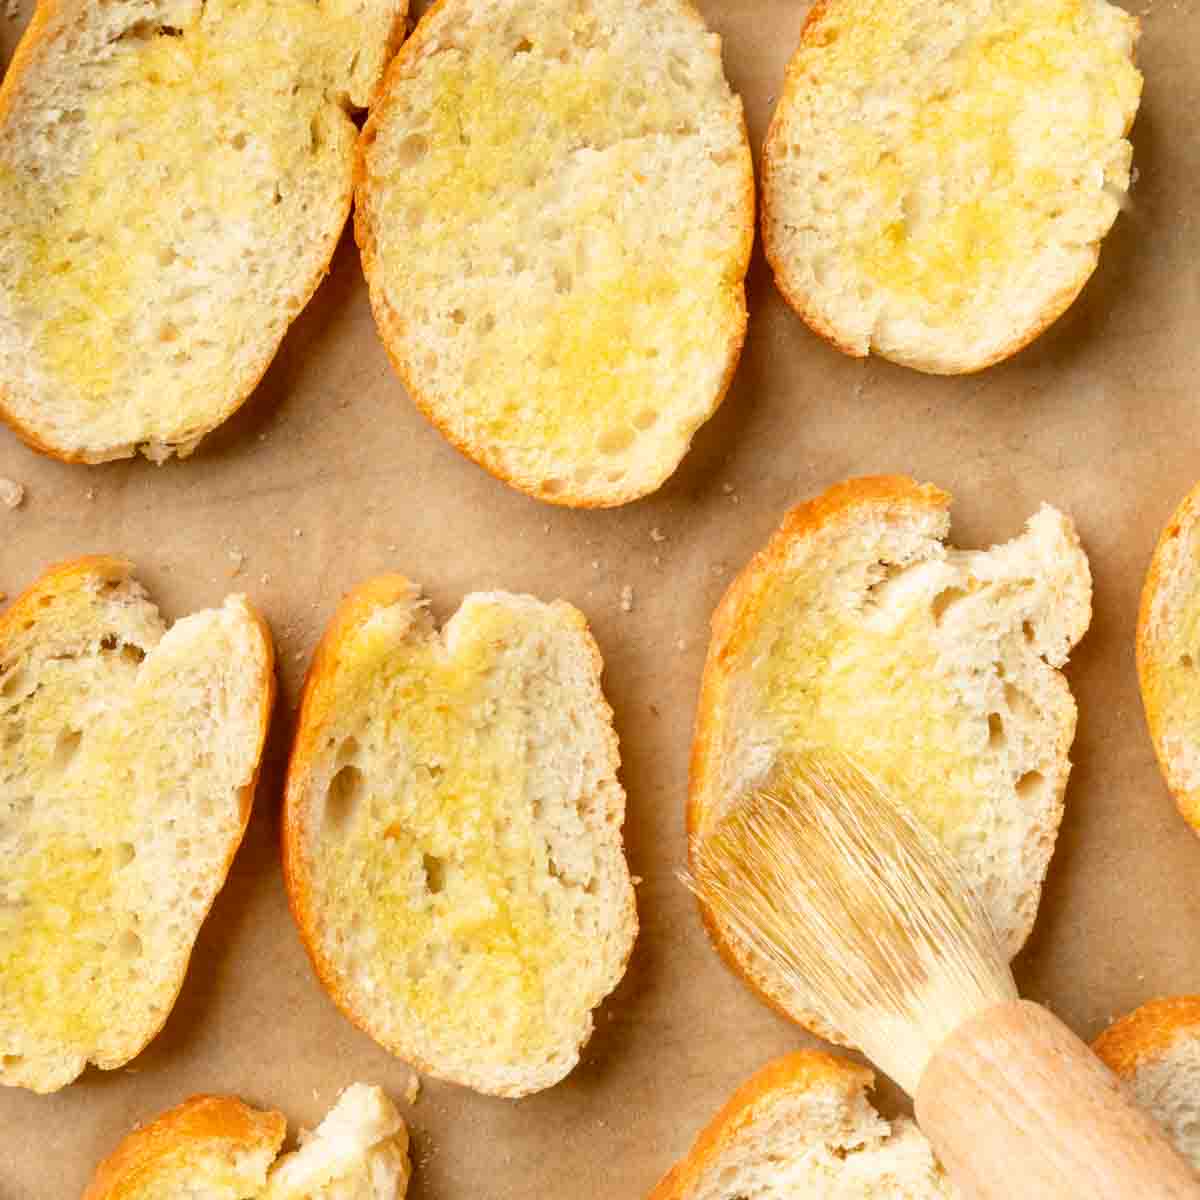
x: 1017, y: 1106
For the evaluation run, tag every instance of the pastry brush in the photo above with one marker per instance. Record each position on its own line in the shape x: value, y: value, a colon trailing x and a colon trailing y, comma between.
x: 851, y: 907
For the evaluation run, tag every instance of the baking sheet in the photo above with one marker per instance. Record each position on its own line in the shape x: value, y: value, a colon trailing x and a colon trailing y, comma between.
x: 329, y: 475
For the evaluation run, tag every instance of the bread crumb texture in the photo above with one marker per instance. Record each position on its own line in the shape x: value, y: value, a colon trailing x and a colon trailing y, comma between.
x: 934, y: 668
x: 938, y: 177
x: 217, y: 1148
x: 453, y: 833
x: 803, y: 1126
x: 126, y: 752
x: 1168, y: 644
x: 174, y: 176
x: 1155, y: 1050
x: 556, y: 214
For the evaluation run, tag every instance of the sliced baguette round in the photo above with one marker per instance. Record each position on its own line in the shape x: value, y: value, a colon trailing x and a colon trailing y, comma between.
x: 937, y: 177
x: 217, y: 1148
x: 452, y: 833
x: 555, y: 207
x: 130, y: 758
x: 935, y: 668
x: 803, y: 1126
x: 174, y: 178
x: 1156, y: 1051
x: 208, y: 1147
x: 1168, y: 654
x: 358, y: 1152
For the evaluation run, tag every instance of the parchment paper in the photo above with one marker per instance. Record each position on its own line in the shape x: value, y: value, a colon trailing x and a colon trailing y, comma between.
x: 329, y: 475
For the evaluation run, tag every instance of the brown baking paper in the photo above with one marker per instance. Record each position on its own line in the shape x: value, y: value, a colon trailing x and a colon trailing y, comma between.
x: 329, y: 475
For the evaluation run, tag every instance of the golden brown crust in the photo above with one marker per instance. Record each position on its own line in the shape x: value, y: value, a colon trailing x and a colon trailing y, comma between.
x: 179, y: 1131
x: 316, y: 707
x: 391, y: 325
x: 732, y: 625
x: 802, y: 304
x: 25, y: 610
x: 1146, y: 1033
x: 37, y: 39
x: 799, y: 1072
x: 1148, y: 667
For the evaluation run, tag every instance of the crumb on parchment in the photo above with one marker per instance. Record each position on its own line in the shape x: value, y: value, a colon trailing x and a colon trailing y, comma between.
x: 11, y: 493
x: 627, y: 598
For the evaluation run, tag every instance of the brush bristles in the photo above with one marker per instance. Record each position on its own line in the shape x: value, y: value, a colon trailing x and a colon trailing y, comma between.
x: 854, y: 910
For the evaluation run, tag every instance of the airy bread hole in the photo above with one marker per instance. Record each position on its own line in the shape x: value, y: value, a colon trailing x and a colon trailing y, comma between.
x: 944, y: 599
x: 563, y: 280
x: 645, y: 419
x: 458, y: 317
x: 435, y: 873
x: 1020, y: 704
x: 125, y: 853
x: 1027, y: 630
x: 615, y: 440
x: 1031, y: 785
x: 66, y: 746
x: 8, y: 1061
x: 342, y: 799
x: 412, y: 150
x: 129, y: 945
x: 416, y: 215
x: 995, y: 731
x: 238, y: 141
x: 522, y: 47
x: 1187, y: 661
x: 677, y: 69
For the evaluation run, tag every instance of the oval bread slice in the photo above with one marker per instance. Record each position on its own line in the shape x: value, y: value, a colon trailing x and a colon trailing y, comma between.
x: 800, y: 1127
x: 452, y: 833
x: 1168, y: 654
x: 174, y: 177
x: 857, y: 628
x: 555, y: 206
x: 1156, y: 1051
x: 938, y: 176
x: 129, y: 754
x: 217, y: 1148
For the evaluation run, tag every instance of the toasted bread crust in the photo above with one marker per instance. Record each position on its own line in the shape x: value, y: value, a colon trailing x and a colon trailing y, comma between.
x: 391, y: 324
x: 731, y: 626
x: 37, y: 41
x: 195, y: 1121
x: 801, y: 304
x: 1146, y: 1032
x: 1148, y: 667
x: 316, y: 706
x: 64, y: 577
x: 797, y: 1072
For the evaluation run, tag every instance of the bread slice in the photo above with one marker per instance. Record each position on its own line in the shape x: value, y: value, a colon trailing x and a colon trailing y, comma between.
x: 1168, y: 654
x: 555, y: 206
x: 938, y: 176
x: 1156, y: 1051
x: 803, y: 1127
x: 130, y: 755
x: 934, y: 668
x: 452, y: 833
x: 174, y: 177
x: 358, y: 1152
x: 217, y: 1148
